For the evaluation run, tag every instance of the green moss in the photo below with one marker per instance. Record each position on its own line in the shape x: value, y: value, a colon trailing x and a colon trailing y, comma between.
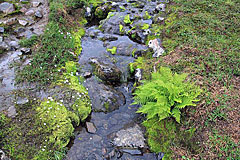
x: 82, y: 105
x: 161, y: 134
x: 55, y: 119
x: 127, y: 19
x: 113, y: 50
x: 77, y: 40
x: 145, y: 26
x: 106, y: 105
x: 121, y: 28
x: 122, y: 8
x: 147, y: 16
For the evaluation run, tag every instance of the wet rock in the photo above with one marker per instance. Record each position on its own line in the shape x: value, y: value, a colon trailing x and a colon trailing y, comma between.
x: 14, y: 44
x: 4, y: 46
x: 131, y: 137
x: 27, y: 33
x: 111, y: 25
x: 38, y: 14
x: 30, y: 12
x: 161, y: 7
x: 1, y: 39
x: 24, y: 1
x: 138, y: 74
x: 132, y: 151
x: 107, y: 72
x: 125, y: 48
x: 91, y: 127
x: 36, y: 4
x: 22, y: 22
x: 10, y: 21
x: 1, y: 29
x: 109, y: 38
x: 138, y: 36
x: 19, y: 30
x: 87, y: 74
x: 96, y: 138
x: 26, y: 51
x: 6, y: 7
x: 155, y: 45
x: 3, y: 156
x: 104, y: 98
x: 22, y: 101
x: 23, y: 10
x: 11, y: 112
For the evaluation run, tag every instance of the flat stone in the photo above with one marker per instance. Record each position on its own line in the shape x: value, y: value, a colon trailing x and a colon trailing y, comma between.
x: 20, y: 30
x: 22, y: 22
x: 24, y: 1
x: 131, y: 137
x: 132, y: 151
x: 22, y: 101
x: 23, y: 10
x: 14, y: 44
x: 11, y: 111
x: 87, y: 74
x: 38, y: 14
x: 10, y: 21
x: 4, y: 46
x: 30, y: 12
x: 91, y: 127
x: 96, y: 138
x: 26, y: 51
x: 36, y: 4
x: 1, y: 30
x: 6, y: 7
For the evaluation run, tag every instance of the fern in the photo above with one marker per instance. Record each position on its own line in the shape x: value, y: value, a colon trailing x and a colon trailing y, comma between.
x: 165, y: 95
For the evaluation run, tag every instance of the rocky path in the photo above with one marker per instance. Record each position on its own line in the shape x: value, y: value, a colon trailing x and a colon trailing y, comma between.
x: 114, y: 129
x: 30, y: 22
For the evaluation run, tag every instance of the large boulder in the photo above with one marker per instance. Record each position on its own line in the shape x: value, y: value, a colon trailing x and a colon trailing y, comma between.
x: 109, y: 73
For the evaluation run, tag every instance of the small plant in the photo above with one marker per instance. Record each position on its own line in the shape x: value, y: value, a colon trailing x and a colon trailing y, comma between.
x: 29, y: 42
x: 127, y: 19
x: 113, y: 50
x: 165, y: 95
x: 147, y: 16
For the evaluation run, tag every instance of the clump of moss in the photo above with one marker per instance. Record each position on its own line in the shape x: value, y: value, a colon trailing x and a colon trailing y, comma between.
x: 82, y: 104
x: 56, y: 120
x: 113, y: 50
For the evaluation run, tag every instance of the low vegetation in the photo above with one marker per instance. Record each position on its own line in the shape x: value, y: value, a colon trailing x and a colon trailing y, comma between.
x: 200, y: 38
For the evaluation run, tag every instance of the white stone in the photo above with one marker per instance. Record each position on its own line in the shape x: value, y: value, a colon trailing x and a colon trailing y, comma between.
x: 22, y: 22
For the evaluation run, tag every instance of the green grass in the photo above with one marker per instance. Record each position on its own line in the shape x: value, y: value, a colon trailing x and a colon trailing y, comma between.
x: 204, y: 35
x: 29, y: 42
x: 224, y: 146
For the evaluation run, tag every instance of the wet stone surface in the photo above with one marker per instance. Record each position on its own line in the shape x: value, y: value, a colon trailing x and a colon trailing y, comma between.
x: 24, y: 25
x: 119, y: 134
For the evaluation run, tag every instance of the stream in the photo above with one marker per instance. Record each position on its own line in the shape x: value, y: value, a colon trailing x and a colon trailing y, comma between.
x: 114, y: 129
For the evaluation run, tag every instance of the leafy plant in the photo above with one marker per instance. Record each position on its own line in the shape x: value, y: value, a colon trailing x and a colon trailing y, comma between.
x: 127, y: 19
x: 165, y: 95
x: 113, y: 50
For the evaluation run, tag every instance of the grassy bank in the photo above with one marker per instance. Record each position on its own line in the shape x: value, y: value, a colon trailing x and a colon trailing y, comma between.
x: 202, y: 38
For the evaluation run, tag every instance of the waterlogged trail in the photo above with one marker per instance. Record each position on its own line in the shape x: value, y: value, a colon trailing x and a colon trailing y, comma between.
x: 114, y: 130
